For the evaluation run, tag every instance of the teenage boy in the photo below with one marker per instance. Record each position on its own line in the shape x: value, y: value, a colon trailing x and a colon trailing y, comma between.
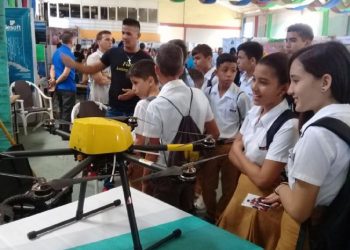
x: 202, y: 56
x: 229, y: 105
x: 166, y: 120
x: 249, y: 53
x: 145, y: 86
x: 100, y: 81
x: 299, y: 36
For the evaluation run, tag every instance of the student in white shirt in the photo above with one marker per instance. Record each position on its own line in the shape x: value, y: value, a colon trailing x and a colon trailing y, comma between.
x: 145, y: 85
x: 249, y: 54
x: 298, y: 36
x: 261, y: 167
x: 229, y: 105
x: 165, y: 121
x: 202, y: 56
x: 319, y: 162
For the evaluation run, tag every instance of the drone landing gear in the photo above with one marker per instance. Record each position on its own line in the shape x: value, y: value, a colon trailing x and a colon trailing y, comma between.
x: 129, y: 207
x: 79, y: 213
x: 131, y: 214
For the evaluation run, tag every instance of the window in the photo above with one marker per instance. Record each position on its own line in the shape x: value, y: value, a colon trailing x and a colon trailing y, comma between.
x: 63, y: 10
x: 94, y: 12
x: 86, y: 12
x: 111, y: 13
x: 142, y: 15
x: 122, y: 14
x: 53, y: 9
x: 132, y: 13
x: 75, y: 10
x: 104, y: 13
x: 153, y: 15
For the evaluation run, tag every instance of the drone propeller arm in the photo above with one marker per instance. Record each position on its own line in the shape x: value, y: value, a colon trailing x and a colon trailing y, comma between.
x: 150, y: 147
x: 146, y: 163
x: 62, y: 133
x: 206, y: 143
x: 79, y: 167
x: 36, y: 153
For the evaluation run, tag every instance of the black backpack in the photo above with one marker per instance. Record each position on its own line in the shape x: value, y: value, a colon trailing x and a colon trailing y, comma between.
x: 333, y: 231
x: 187, y: 132
x: 276, y: 125
x: 10, y: 186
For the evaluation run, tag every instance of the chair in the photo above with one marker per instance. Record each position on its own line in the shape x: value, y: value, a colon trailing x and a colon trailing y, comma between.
x: 31, y: 101
x: 89, y: 109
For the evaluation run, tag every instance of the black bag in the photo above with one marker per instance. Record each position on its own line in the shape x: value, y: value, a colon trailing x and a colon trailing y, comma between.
x: 332, y: 232
x: 276, y: 125
x: 187, y: 132
x: 10, y: 186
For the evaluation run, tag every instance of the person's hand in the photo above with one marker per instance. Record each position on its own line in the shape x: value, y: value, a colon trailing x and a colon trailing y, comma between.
x: 272, y: 199
x: 52, y: 85
x: 128, y: 94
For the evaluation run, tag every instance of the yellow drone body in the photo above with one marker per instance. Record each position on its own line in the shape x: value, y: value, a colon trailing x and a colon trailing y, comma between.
x: 97, y: 135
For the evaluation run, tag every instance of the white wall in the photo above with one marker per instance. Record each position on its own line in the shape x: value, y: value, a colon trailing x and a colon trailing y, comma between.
x: 168, y: 33
x: 212, y: 37
x: 281, y: 21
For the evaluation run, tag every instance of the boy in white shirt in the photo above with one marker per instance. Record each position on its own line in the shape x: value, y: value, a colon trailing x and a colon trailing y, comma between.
x: 249, y: 54
x: 166, y: 120
x: 145, y: 86
x: 229, y: 105
x: 202, y: 56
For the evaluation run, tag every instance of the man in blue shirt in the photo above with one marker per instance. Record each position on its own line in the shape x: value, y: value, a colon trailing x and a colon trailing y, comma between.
x: 64, y: 79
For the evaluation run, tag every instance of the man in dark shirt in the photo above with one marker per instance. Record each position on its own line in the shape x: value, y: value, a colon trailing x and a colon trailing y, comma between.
x: 122, y: 100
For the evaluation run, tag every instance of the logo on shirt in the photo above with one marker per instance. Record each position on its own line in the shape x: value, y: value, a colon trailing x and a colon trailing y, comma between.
x: 124, y: 67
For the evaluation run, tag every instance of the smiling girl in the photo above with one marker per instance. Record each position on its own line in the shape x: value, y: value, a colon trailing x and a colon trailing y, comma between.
x: 261, y: 167
x: 318, y: 165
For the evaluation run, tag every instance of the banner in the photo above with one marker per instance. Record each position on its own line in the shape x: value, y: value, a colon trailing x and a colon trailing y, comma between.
x: 19, y: 32
x: 5, y: 113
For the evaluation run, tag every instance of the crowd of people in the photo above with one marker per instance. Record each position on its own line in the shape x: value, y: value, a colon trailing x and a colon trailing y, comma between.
x: 294, y: 171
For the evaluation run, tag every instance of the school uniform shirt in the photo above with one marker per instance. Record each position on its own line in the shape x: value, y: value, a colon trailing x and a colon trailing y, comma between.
x: 140, y: 113
x: 98, y: 92
x: 229, y: 110
x: 246, y: 85
x: 254, y: 131
x: 207, y: 77
x: 320, y: 157
x: 163, y: 119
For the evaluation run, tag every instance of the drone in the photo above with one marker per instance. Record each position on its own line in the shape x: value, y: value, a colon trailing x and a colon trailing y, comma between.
x: 104, y: 142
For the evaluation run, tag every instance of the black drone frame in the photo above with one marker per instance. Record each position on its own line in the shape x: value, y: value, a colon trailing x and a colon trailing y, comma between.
x: 121, y: 158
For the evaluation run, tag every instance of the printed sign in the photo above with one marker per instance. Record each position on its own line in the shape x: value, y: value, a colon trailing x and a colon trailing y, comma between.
x: 20, y: 52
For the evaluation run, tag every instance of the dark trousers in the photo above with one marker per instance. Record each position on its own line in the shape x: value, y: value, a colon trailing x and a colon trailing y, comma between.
x: 175, y: 192
x: 208, y: 176
x: 66, y: 102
